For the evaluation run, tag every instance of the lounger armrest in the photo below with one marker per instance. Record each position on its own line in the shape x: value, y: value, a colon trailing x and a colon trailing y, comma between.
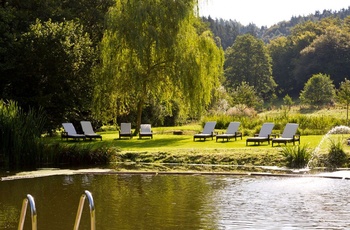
x: 238, y: 133
x: 256, y: 134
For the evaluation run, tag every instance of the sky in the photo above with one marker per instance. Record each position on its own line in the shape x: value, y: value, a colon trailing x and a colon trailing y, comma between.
x: 266, y: 12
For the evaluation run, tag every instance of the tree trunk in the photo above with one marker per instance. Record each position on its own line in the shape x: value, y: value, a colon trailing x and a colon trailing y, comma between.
x: 139, y: 116
x: 347, y: 114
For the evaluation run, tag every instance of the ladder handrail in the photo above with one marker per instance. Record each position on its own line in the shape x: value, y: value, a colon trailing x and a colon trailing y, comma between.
x: 31, y: 201
x: 80, y: 210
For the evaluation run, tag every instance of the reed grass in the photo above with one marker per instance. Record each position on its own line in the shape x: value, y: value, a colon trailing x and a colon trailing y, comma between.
x: 297, y: 156
x: 20, y: 135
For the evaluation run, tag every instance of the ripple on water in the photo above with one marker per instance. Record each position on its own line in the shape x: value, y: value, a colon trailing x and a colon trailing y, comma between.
x: 284, y: 203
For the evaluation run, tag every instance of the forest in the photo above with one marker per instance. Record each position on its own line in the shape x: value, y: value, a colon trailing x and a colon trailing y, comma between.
x: 158, y: 62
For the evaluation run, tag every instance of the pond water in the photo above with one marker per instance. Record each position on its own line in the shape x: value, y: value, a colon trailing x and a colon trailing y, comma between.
x: 157, y: 201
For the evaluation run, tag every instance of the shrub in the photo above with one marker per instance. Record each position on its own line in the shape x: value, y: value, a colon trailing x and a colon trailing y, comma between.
x: 296, y: 156
x: 336, y: 155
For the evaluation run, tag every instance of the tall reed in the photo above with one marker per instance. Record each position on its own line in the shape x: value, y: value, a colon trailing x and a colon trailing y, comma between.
x: 20, y: 143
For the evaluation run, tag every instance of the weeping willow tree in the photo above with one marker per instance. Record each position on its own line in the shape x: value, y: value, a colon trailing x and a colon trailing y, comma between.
x: 156, y: 50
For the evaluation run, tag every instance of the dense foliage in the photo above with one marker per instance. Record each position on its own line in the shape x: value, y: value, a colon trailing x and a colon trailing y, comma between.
x: 164, y: 56
x: 159, y: 56
x: 249, y: 61
x: 156, y: 62
x: 47, y: 49
x: 299, y: 48
x: 228, y: 30
x: 54, y: 70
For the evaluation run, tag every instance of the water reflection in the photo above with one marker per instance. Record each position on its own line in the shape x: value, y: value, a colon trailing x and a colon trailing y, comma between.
x: 180, y: 202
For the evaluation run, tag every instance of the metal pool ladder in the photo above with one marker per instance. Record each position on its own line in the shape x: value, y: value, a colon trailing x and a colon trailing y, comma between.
x: 80, y: 210
x: 31, y: 201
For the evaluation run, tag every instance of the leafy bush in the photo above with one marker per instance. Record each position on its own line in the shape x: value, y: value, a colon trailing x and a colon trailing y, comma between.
x: 296, y: 156
x: 336, y: 155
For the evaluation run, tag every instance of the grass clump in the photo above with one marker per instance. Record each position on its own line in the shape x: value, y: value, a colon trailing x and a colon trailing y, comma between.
x: 336, y: 155
x: 296, y: 156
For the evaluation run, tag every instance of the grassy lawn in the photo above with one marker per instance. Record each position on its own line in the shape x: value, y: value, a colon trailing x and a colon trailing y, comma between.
x: 165, y: 147
x: 164, y: 139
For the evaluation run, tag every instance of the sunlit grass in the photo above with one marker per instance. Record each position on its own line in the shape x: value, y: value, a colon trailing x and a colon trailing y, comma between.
x: 165, y: 147
x: 163, y: 139
x: 337, y: 112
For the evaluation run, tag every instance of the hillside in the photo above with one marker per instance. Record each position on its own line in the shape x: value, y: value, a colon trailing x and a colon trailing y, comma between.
x: 228, y: 30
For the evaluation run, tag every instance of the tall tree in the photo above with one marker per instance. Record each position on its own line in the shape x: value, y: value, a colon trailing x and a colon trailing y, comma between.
x: 318, y: 90
x: 312, y: 47
x: 156, y: 50
x: 285, y: 53
x: 54, y: 64
x: 343, y: 96
x: 329, y: 53
x: 282, y: 53
x: 21, y: 68
x: 248, y: 61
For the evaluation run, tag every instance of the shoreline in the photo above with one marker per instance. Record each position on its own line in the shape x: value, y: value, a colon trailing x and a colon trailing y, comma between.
x: 343, y: 174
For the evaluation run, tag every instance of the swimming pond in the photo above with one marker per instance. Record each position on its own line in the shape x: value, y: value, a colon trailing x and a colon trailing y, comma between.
x: 173, y: 201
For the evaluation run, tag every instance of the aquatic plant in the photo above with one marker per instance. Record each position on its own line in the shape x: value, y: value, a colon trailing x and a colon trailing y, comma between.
x: 296, y: 156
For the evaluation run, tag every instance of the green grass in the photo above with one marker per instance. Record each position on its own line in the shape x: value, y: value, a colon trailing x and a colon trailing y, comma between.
x: 337, y: 112
x: 168, y: 148
x: 165, y: 147
x: 163, y: 139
